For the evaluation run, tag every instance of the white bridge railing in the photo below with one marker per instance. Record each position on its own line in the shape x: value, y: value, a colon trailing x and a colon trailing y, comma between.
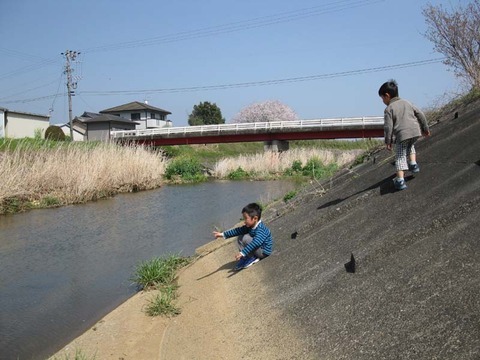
x: 367, y: 122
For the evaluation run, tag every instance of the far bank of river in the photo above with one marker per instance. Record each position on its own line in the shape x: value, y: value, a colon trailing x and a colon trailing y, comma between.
x: 64, y: 268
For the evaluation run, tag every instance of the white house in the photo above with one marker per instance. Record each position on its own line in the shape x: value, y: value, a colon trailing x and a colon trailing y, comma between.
x: 78, y: 133
x: 19, y: 124
x: 145, y: 115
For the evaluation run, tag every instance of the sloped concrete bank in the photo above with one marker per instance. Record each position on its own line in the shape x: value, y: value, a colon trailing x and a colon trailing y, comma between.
x: 416, y: 290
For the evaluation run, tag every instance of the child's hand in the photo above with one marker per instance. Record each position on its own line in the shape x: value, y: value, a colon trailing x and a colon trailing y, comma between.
x: 238, y: 256
x: 389, y: 147
x: 217, y: 234
x: 426, y: 133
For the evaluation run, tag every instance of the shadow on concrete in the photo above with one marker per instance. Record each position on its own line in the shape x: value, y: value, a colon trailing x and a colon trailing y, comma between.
x: 385, y: 185
x: 228, y: 266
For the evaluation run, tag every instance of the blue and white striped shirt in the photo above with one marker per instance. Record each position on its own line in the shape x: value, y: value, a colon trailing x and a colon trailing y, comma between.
x: 261, y: 238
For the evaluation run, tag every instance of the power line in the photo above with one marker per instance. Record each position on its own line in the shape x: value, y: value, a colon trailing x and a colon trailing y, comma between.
x: 266, y: 82
x: 258, y: 22
x: 28, y: 90
x: 23, y: 101
x: 245, y: 84
x: 58, y: 92
x: 239, y: 25
x: 19, y: 54
x: 29, y: 68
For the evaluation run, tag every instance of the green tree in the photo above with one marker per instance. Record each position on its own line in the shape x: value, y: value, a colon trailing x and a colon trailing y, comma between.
x: 54, y: 133
x: 205, y: 113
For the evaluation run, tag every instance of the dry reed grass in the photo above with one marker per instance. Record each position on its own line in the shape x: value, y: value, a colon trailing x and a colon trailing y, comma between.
x: 70, y: 174
x: 268, y: 163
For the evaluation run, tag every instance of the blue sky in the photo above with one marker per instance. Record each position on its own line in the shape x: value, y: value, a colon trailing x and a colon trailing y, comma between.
x: 156, y: 49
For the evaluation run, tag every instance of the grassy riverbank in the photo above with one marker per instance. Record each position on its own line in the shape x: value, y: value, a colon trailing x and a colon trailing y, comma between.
x: 39, y: 173
x: 308, y: 159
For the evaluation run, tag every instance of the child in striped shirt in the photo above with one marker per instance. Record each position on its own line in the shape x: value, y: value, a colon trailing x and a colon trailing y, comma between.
x: 254, y: 238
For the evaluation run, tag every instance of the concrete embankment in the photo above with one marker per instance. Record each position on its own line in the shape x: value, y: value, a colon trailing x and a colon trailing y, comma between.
x: 415, y: 293
x: 416, y: 290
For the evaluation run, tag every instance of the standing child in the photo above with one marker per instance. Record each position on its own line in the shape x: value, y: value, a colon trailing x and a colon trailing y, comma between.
x: 254, y: 238
x: 404, y: 124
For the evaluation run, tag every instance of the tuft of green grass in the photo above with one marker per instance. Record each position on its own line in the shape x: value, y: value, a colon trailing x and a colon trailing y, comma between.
x: 158, y: 271
x: 290, y: 195
x: 79, y: 355
x: 49, y: 201
x: 186, y: 168
x: 314, y: 168
x: 162, y: 303
x: 238, y: 174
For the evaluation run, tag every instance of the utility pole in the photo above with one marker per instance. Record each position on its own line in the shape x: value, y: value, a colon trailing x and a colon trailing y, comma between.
x: 71, y: 85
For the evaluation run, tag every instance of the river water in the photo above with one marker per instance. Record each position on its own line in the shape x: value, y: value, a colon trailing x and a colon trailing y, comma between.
x: 63, y: 269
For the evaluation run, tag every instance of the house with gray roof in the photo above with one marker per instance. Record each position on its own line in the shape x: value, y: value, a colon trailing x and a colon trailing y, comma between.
x: 97, y: 127
x: 147, y: 116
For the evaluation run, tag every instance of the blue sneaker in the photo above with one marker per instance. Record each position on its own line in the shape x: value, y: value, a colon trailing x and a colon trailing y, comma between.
x: 414, y: 168
x: 399, y: 184
x: 250, y: 261
x: 240, y: 264
x: 246, y: 262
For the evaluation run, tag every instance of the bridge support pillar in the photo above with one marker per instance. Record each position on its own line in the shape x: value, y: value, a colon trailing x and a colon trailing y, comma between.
x: 276, y: 145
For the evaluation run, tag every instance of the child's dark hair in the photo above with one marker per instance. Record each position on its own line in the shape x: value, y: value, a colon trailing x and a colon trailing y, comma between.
x: 390, y: 88
x: 253, y: 210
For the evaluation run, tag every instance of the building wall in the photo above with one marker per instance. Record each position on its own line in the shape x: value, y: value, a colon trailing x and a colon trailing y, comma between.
x: 2, y: 124
x: 20, y: 125
x: 145, y: 120
x: 98, y: 131
x: 76, y: 135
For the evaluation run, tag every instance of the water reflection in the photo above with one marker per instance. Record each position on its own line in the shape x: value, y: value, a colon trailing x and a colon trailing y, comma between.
x: 62, y: 269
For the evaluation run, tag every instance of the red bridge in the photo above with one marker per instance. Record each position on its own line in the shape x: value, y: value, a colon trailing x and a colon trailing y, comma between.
x: 337, y: 128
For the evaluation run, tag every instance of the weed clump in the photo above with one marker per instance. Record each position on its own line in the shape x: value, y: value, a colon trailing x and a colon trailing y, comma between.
x: 187, y: 169
x: 289, y: 196
x: 160, y: 274
x: 238, y: 174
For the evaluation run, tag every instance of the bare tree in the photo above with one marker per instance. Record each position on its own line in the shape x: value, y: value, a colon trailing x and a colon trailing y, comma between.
x: 456, y: 34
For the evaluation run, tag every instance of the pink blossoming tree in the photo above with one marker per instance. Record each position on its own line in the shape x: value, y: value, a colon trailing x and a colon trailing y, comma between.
x: 267, y: 111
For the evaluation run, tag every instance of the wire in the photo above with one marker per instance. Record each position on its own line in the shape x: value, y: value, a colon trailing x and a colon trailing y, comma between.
x: 28, y: 90
x: 258, y: 22
x: 19, y: 54
x: 29, y: 68
x: 245, y: 84
x: 23, y: 101
x: 88, y: 105
x: 239, y: 25
x: 266, y: 82
x: 58, y: 92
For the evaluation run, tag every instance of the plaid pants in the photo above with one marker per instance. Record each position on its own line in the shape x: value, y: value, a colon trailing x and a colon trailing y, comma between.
x: 402, y: 150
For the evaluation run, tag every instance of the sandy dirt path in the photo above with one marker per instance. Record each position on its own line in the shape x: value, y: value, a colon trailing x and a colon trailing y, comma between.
x: 225, y: 315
